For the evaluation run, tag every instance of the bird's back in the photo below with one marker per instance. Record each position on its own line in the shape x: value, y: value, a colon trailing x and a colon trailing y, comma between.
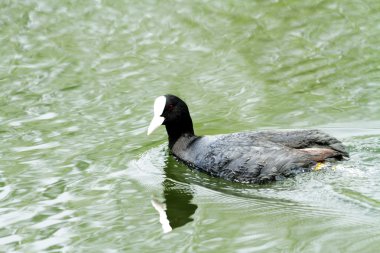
x: 252, y: 157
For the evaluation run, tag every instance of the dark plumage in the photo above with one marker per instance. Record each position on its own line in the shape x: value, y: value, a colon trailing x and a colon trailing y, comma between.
x: 247, y: 157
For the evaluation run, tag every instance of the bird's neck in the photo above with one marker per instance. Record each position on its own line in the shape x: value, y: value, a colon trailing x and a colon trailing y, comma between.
x: 182, y: 127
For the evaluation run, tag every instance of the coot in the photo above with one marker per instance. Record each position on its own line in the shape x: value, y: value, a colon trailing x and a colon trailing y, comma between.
x: 246, y: 157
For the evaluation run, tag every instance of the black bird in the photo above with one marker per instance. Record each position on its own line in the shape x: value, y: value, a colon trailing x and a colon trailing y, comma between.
x: 246, y: 157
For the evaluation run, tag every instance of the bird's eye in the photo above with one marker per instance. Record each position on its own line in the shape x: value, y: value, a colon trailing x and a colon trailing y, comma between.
x: 170, y: 107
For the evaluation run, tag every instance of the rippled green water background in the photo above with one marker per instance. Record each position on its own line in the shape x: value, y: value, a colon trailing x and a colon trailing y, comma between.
x: 77, y: 85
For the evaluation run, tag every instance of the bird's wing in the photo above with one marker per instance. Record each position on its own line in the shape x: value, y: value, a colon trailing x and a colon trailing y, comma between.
x: 303, y: 139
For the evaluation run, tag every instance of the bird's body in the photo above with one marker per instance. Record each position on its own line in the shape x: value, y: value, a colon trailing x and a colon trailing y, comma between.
x: 247, y: 157
x: 252, y: 157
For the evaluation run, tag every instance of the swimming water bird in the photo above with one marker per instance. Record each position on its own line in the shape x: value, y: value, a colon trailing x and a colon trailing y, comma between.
x: 246, y: 157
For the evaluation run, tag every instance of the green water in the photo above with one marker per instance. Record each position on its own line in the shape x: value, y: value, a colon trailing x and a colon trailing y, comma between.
x: 77, y: 85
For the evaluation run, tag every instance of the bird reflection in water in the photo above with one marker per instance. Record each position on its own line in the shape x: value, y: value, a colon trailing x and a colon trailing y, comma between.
x: 177, y: 209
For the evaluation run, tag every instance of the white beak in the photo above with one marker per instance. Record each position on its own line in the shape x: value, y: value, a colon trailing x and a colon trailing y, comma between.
x: 155, y: 123
x: 159, y: 106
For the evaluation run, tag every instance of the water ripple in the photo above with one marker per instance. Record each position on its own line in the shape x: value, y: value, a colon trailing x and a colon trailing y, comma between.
x: 77, y: 82
x: 10, y: 239
x: 37, y: 147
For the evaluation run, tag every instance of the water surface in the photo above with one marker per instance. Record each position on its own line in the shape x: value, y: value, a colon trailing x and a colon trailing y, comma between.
x: 77, y: 85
